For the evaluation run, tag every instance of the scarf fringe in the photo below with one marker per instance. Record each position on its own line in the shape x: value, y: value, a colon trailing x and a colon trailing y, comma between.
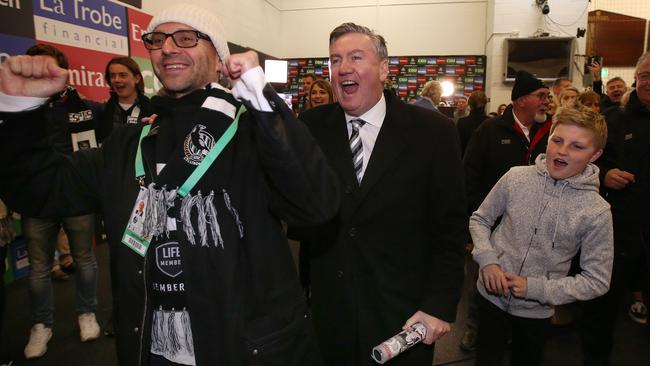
x: 202, y: 224
x: 172, y: 343
x: 186, y: 210
x: 189, y: 341
x: 157, y: 331
x: 234, y: 213
x: 211, y: 216
x: 159, y: 201
x: 165, y: 336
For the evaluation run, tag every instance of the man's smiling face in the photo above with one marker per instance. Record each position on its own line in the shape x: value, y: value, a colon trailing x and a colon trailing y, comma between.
x: 183, y: 70
x: 357, y: 73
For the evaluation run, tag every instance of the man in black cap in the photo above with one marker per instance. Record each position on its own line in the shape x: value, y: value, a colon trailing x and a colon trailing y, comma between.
x: 514, y: 138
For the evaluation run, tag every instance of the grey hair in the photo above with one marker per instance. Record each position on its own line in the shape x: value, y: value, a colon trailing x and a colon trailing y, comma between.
x: 377, y: 40
x: 433, y: 90
x: 641, y: 60
x: 616, y: 78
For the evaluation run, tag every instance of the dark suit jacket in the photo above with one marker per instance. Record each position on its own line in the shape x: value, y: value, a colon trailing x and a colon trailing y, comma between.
x: 396, y: 245
x: 467, y: 125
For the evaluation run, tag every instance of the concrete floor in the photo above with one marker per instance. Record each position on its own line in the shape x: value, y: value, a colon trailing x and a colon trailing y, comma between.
x: 631, y: 348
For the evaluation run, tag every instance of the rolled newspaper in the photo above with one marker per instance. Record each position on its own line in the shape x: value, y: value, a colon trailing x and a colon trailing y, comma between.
x: 399, y: 343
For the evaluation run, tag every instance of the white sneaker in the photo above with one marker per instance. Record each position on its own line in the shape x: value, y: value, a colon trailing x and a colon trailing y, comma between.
x: 38, y: 338
x: 638, y: 312
x: 88, y: 327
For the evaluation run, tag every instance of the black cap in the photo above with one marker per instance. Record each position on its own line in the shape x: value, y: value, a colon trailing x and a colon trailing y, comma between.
x: 525, y: 83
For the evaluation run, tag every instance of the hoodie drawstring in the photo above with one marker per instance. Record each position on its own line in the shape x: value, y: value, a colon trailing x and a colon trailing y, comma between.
x: 559, y: 212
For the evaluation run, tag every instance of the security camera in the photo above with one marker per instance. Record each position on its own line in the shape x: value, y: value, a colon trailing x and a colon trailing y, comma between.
x: 543, y: 5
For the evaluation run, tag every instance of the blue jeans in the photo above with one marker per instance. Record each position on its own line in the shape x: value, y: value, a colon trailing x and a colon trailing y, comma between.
x: 41, y: 237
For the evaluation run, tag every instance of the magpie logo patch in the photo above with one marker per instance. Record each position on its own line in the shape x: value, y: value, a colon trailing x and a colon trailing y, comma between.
x: 197, y: 145
x: 168, y: 259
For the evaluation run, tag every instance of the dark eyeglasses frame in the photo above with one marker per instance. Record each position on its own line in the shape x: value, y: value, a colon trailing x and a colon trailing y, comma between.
x: 643, y: 77
x: 541, y: 96
x: 151, y: 47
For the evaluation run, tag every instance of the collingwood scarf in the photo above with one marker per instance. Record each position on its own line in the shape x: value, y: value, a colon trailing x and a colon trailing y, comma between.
x: 185, y: 135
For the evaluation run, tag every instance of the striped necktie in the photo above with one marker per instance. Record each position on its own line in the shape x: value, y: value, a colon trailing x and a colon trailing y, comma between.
x: 356, y: 147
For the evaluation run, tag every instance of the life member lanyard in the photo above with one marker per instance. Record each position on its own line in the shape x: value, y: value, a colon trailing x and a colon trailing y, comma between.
x: 200, y: 170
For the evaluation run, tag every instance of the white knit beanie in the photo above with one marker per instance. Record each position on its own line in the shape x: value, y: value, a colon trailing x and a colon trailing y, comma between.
x: 198, y: 18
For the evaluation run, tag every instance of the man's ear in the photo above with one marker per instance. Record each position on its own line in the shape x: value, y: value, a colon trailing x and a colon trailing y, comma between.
x: 383, y: 70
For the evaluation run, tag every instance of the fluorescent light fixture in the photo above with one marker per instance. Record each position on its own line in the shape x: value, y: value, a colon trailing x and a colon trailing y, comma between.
x: 447, y: 88
x: 275, y: 71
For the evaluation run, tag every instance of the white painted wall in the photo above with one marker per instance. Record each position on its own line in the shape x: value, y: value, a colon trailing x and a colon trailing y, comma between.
x: 300, y: 28
x: 248, y: 23
x: 414, y: 27
x: 523, y: 18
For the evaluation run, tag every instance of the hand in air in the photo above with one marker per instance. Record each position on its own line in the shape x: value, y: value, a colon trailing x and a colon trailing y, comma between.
x: 239, y: 63
x: 32, y: 76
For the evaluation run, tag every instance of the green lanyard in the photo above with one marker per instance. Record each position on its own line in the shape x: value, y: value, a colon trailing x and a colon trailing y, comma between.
x: 198, y: 172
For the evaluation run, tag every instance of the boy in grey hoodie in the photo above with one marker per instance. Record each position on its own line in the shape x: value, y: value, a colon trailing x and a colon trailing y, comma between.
x: 548, y: 213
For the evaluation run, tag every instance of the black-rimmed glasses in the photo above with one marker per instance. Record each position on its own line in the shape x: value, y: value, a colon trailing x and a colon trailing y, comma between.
x: 542, y: 96
x: 643, y: 77
x: 182, y: 39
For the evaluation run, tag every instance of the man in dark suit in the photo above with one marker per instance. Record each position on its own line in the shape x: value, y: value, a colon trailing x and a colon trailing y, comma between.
x: 393, y: 255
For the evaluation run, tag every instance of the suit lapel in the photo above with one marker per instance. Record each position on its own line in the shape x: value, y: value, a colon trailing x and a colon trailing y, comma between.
x: 390, y: 143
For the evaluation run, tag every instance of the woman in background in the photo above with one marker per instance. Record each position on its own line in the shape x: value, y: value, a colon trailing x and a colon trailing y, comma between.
x: 320, y: 93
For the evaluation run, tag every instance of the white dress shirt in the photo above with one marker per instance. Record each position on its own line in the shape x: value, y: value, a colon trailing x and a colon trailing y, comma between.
x: 523, y: 128
x: 368, y: 133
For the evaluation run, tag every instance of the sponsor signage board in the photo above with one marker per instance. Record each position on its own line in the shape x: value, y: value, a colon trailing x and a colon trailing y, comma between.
x: 12, y: 45
x: 138, y: 23
x: 16, y: 18
x: 86, y: 71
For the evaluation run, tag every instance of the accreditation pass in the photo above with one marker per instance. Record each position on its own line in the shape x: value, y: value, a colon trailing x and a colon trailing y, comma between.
x: 134, y: 236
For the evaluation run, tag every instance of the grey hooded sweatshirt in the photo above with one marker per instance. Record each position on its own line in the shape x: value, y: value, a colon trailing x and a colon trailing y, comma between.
x: 544, y: 224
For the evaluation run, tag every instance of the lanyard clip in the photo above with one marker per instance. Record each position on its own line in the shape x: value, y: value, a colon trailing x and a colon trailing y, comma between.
x: 140, y: 180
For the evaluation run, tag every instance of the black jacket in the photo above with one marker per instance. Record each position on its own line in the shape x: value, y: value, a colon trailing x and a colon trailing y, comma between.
x: 494, y: 148
x: 245, y: 302
x: 606, y: 104
x: 66, y: 114
x: 114, y: 116
x: 628, y: 149
x: 467, y: 125
x: 396, y: 245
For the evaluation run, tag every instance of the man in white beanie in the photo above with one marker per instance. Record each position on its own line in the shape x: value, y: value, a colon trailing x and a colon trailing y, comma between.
x: 193, y: 203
